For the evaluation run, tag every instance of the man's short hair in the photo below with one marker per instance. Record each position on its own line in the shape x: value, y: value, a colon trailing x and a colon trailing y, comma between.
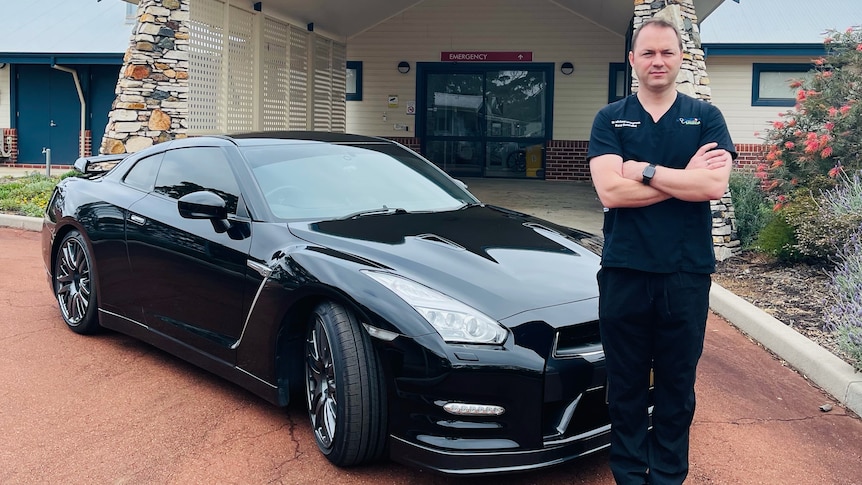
x: 660, y: 23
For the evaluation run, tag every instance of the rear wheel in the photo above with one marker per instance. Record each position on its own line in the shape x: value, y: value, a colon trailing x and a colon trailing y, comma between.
x: 73, y: 284
x: 345, y: 393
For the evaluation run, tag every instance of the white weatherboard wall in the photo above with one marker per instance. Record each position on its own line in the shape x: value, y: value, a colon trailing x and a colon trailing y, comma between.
x: 421, y: 33
x: 5, y: 115
x: 731, y: 78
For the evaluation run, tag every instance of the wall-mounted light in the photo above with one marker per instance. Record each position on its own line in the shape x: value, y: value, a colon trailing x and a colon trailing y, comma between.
x: 403, y: 67
x: 567, y: 68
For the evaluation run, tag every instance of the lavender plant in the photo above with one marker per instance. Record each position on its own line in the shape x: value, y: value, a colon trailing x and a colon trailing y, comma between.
x: 844, y: 316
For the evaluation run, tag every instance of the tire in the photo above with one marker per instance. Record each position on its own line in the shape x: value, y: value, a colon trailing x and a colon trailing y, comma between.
x: 73, y: 284
x: 344, y: 389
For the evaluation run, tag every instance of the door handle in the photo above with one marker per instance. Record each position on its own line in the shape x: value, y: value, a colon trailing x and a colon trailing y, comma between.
x: 136, y: 219
x: 52, y: 123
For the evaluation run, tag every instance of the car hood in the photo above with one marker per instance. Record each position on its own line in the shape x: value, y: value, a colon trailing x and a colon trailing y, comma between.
x: 500, y: 262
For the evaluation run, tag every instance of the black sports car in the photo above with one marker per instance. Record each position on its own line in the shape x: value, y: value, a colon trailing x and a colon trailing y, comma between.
x: 416, y: 322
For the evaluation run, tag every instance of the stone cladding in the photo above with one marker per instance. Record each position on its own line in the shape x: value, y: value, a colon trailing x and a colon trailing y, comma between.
x: 153, y: 86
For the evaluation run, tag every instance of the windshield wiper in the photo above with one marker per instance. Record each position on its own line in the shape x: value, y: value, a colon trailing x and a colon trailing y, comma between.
x: 373, y: 212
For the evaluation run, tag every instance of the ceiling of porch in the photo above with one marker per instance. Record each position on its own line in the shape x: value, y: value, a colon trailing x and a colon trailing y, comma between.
x: 348, y: 18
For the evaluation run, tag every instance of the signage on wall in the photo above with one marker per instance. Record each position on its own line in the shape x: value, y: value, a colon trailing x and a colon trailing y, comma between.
x: 479, y: 56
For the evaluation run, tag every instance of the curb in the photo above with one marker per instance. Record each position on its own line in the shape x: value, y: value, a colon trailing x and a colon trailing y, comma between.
x: 827, y: 371
x: 21, y: 222
x: 823, y: 368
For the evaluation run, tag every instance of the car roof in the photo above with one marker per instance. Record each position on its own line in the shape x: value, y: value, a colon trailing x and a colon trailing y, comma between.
x: 321, y: 136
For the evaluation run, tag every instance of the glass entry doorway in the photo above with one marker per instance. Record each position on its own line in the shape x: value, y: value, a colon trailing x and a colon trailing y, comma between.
x: 485, y: 120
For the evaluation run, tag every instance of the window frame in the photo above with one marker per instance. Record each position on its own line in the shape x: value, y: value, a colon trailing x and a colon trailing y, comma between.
x: 759, y: 68
x: 356, y: 67
x: 615, y: 70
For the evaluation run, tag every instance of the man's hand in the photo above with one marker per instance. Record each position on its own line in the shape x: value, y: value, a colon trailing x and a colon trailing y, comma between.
x: 709, y: 157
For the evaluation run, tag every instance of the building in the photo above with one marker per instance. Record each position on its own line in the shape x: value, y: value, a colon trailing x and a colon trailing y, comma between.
x: 59, y: 62
x: 754, y: 48
x: 483, y: 88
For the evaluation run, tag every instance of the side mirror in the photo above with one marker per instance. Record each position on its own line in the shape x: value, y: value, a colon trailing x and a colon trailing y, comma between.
x: 202, y: 205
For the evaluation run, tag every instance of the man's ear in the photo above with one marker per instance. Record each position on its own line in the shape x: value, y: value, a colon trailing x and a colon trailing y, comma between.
x: 631, y: 58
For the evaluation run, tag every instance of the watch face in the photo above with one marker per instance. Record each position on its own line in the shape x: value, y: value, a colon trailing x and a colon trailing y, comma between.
x: 648, y: 173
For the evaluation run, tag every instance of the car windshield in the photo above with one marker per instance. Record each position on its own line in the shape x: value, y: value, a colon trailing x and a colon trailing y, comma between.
x: 327, y: 181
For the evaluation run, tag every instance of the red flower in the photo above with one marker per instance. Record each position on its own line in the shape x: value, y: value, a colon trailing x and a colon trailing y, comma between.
x: 827, y: 74
x: 859, y: 47
x: 777, y: 164
x: 778, y: 125
x: 829, y: 126
x: 834, y: 171
x: 844, y: 109
x: 795, y: 83
x: 819, y: 61
x: 777, y: 207
x: 833, y: 111
x: 789, y: 145
x: 826, y: 153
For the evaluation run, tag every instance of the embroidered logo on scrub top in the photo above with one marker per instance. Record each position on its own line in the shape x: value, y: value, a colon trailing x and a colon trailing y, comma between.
x: 689, y: 121
x: 625, y: 123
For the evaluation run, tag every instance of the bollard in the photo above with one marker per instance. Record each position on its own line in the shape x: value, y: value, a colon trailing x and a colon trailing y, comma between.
x: 47, y: 152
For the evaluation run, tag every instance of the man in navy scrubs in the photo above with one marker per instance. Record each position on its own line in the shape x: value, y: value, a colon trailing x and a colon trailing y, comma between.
x: 656, y: 158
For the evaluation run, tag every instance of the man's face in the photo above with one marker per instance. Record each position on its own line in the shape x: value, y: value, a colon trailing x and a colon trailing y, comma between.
x: 656, y: 58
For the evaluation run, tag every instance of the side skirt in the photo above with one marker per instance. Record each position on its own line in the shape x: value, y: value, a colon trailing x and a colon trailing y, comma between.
x: 179, y: 349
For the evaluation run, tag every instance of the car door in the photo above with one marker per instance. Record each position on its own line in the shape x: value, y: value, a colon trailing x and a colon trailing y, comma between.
x: 190, y: 277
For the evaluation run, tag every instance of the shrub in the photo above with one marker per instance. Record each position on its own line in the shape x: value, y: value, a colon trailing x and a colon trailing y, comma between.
x: 751, y: 208
x: 823, y: 224
x: 779, y: 239
x: 844, y: 317
x: 28, y: 195
x: 824, y: 131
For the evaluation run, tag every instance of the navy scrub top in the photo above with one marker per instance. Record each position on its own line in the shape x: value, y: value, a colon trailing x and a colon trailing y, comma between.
x: 672, y: 235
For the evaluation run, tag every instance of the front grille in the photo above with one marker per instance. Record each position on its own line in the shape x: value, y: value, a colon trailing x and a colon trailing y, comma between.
x: 576, y: 340
x: 590, y: 412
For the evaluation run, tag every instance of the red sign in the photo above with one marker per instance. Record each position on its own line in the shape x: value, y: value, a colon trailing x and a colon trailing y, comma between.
x: 486, y: 56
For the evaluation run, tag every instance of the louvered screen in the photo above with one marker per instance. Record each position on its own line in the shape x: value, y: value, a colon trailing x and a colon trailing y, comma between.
x: 275, y: 75
x: 240, y: 75
x: 298, y: 98
x: 338, y: 114
x: 206, y: 46
x: 322, y: 84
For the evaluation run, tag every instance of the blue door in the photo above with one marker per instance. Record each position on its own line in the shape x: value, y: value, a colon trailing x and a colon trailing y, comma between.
x: 48, y: 115
x: 103, y: 81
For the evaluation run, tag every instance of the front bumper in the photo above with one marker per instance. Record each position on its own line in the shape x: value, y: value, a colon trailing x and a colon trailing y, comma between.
x: 550, y: 380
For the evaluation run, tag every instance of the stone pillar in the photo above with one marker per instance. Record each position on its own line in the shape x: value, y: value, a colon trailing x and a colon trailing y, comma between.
x: 693, y: 81
x: 153, y: 86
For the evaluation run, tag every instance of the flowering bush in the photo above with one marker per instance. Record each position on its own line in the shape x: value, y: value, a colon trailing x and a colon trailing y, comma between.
x: 822, y: 135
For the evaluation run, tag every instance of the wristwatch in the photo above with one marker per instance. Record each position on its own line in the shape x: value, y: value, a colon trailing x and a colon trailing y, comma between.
x: 649, y: 173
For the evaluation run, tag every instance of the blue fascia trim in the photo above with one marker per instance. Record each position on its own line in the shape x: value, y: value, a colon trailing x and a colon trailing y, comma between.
x: 764, y: 49
x: 51, y: 59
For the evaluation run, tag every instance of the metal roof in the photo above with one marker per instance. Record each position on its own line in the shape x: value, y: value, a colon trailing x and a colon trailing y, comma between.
x: 65, y: 27
x: 778, y: 21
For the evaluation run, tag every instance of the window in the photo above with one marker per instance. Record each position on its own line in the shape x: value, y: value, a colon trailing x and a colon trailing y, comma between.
x: 770, y: 83
x: 143, y: 174
x: 354, y: 81
x: 617, y: 87
x: 188, y: 170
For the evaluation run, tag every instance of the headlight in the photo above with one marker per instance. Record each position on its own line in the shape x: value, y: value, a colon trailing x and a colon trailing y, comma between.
x: 453, y: 320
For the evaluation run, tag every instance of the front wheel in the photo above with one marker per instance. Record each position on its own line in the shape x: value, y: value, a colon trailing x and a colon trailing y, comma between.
x: 345, y: 393
x: 73, y: 284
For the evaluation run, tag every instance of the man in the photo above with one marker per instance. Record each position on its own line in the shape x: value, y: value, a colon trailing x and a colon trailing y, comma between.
x: 656, y: 158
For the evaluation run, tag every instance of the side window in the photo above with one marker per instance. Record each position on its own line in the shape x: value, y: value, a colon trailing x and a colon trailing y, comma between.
x: 188, y: 170
x: 143, y: 174
x: 770, y: 83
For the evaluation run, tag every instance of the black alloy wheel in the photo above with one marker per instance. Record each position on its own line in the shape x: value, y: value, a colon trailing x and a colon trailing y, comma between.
x: 345, y: 395
x: 73, y: 284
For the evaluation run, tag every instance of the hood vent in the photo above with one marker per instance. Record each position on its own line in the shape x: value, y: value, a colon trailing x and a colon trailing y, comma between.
x: 433, y: 238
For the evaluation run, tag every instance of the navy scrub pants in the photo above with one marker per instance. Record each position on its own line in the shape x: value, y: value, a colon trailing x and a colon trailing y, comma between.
x: 658, y: 321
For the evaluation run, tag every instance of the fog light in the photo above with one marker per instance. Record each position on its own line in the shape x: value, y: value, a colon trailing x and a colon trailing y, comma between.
x: 465, y: 409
